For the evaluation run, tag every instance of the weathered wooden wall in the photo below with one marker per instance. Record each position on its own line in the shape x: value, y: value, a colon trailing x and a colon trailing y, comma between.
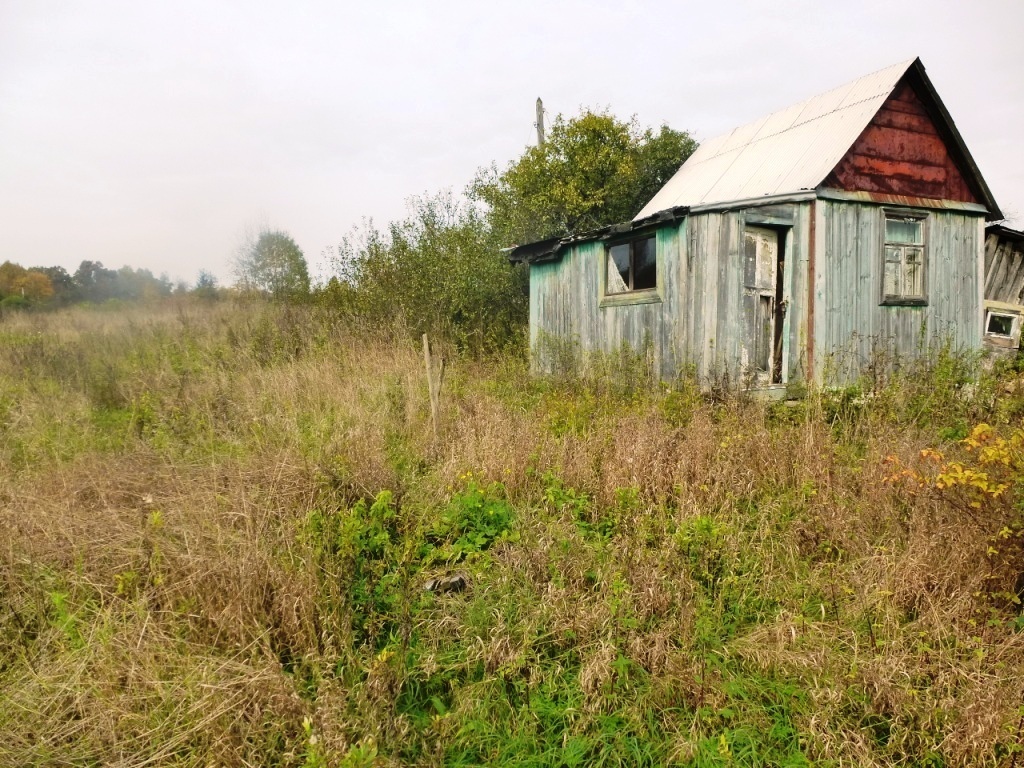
x: 1004, y: 270
x: 717, y: 327
x: 852, y: 329
x: 697, y: 324
x: 566, y: 311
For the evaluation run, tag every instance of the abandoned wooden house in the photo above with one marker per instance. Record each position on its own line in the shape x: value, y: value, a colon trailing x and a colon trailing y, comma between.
x: 1004, y: 287
x: 799, y: 247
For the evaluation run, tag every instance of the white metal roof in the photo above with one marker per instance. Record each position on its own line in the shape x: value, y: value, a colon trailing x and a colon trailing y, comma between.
x: 788, y: 151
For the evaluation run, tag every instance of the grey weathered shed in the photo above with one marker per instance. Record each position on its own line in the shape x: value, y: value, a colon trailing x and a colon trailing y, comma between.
x: 801, y: 246
x: 1004, y: 286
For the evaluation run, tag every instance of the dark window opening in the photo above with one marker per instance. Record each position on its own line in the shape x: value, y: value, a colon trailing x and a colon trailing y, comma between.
x: 633, y: 266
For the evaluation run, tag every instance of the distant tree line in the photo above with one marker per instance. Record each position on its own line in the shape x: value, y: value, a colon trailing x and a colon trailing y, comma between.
x: 91, y: 282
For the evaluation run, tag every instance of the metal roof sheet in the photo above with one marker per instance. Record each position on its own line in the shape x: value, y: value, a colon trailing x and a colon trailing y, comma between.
x: 785, y: 152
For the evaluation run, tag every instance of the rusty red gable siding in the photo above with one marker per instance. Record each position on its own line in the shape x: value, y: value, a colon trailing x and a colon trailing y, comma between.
x: 901, y: 152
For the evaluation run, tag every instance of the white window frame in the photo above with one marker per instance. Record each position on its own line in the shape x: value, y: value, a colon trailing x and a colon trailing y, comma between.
x: 1012, y: 317
x: 1001, y: 339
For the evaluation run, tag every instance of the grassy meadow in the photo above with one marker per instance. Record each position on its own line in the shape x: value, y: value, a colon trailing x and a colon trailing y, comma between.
x: 218, y: 523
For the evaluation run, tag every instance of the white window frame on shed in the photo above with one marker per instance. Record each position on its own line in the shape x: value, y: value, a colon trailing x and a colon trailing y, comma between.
x: 904, y: 258
x: 1011, y: 339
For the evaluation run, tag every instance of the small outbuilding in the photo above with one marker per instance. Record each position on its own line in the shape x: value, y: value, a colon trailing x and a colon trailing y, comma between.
x: 803, y: 246
x: 1004, y: 287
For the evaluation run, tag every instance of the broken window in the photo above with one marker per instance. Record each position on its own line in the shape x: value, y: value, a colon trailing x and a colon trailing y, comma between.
x: 904, y: 263
x: 1000, y: 324
x: 632, y: 266
x: 1002, y: 327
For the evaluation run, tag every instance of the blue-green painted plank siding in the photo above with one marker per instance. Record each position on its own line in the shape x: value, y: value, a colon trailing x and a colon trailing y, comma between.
x: 565, y: 302
x: 853, y: 329
x: 699, y: 324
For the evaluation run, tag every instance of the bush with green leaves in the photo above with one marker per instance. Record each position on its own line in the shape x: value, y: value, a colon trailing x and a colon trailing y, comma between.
x: 439, y: 271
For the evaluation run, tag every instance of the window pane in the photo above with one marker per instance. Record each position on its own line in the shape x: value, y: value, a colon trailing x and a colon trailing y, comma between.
x: 893, y: 253
x: 618, y: 268
x: 892, y: 278
x: 913, y: 263
x: 645, y: 271
x: 1000, y: 325
x: 912, y: 280
x: 904, y: 231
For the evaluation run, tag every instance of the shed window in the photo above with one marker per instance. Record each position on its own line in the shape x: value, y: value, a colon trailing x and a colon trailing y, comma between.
x: 1000, y: 324
x: 904, y: 264
x: 632, y: 266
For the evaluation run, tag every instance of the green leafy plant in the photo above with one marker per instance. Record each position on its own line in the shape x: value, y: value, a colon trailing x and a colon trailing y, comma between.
x: 474, y: 519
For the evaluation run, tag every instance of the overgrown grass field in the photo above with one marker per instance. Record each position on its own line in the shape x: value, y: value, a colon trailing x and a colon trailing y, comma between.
x: 218, y: 525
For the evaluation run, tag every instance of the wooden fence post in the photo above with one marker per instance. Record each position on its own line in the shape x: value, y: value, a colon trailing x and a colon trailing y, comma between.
x: 433, y: 388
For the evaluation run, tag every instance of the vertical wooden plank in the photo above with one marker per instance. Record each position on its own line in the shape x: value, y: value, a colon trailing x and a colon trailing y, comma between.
x: 669, y: 286
x: 949, y: 280
x: 797, y: 314
x: 726, y: 322
x: 711, y: 278
x: 825, y: 262
x: 814, y: 294
x: 978, y: 247
x: 699, y: 257
x: 594, y: 257
x: 991, y: 247
x: 683, y: 307
x: 865, y: 291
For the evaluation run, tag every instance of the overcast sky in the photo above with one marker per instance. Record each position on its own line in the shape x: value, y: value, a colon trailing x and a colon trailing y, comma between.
x: 152, y: 134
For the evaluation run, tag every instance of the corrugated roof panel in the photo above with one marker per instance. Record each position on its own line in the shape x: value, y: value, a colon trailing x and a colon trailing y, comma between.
x: 703, y: 176
x: 785, y: 152
x: 741, y: 136
x: 881, y: 82
x: 710, y: 148
x: 782, y: 169
x: 746, y: 171
x: 821, y: 105
x: 777, y: 122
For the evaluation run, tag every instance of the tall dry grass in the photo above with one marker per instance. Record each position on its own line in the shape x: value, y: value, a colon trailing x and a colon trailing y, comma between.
x: 185, y: 508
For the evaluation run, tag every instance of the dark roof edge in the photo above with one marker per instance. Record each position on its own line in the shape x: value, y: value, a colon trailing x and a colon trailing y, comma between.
x: 1001, y: 230
x: 977, y: 180
x: 551, y: 249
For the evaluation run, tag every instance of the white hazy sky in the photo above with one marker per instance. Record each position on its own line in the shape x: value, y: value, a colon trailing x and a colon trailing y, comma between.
x: 153, y: 133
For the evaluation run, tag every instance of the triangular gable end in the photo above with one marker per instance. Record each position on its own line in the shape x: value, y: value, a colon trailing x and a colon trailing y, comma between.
x: 911, y: 148
x: 901, y: 152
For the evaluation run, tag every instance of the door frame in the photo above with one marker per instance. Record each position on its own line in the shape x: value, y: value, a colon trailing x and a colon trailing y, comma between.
x: 782, y: 302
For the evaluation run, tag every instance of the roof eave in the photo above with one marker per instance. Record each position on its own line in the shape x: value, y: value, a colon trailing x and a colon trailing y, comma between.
x: 1003, y: 231
x: 544, y: 251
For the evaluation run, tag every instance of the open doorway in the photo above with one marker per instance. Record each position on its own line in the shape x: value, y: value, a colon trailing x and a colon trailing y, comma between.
x: 763, y: 304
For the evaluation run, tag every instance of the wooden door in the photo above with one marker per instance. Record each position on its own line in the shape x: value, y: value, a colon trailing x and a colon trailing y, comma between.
x: 762, y: 307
